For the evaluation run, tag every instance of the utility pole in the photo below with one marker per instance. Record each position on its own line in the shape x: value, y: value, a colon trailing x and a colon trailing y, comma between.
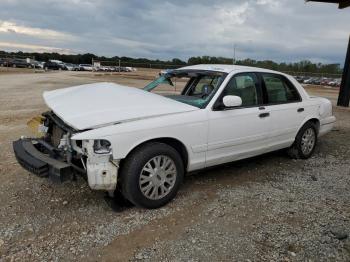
x: 234, y: 54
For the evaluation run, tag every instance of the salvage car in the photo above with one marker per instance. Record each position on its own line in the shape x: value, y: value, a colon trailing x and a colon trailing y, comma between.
x: 139, y: 143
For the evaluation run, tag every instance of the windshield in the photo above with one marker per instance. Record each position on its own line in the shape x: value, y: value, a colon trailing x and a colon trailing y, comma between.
x: 192, y: 87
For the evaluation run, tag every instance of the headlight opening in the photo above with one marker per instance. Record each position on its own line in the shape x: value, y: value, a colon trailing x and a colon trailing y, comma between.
x: 102, y: 146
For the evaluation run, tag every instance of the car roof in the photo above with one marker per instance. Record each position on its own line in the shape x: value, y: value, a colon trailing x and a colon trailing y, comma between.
x: 227, y: 68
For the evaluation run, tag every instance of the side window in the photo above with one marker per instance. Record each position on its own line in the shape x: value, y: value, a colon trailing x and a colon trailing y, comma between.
x: 245, y: 86
x: 278, y: 90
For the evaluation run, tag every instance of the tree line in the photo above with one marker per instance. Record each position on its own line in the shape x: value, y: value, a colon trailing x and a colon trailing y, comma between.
x: 301, y: 66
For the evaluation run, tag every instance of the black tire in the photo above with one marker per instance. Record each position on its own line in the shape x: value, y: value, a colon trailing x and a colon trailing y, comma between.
x: 132, y: 168
x: 296, y: 151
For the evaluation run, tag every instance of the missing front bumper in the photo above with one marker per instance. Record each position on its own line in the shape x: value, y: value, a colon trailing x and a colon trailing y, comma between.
x: 40, y: 164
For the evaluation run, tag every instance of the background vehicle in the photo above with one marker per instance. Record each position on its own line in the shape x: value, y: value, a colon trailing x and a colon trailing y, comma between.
x: 309, y: 80
x: 54, y: 65
x: 71, y: 67
x: 21, y: 63
x: 325, y: 81
x: 317, y: 81
x: 35, y: 64
x: 4, y: 61
x: 145, y: 143
x: 130, y: 69
x: 301, y: 79
x: 85, y: 67
x: 335, y: 82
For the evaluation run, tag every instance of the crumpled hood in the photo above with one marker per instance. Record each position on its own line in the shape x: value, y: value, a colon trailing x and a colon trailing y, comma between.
x: 99, y: 104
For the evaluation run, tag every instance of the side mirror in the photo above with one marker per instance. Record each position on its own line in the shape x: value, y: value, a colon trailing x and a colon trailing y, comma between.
x: 232, y: 101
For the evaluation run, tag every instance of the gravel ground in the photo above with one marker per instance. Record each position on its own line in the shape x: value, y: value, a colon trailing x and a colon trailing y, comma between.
x: 269, y: 208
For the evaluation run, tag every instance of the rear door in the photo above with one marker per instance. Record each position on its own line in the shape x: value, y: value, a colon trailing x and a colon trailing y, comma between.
x: 284, y: 103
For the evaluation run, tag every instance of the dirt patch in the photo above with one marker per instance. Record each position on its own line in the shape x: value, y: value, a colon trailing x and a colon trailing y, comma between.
x: 10, y: 70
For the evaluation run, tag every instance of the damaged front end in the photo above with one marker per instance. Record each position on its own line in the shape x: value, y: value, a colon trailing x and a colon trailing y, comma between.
x: 55, y: 155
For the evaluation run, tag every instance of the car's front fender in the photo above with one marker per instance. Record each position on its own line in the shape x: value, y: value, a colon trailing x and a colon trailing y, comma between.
x: 188, y: 128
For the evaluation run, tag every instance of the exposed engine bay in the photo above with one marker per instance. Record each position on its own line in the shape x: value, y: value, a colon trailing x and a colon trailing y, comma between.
x: 91, y: 159
x: 57, y: 143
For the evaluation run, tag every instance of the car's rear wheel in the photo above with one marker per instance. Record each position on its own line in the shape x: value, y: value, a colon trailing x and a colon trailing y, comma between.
x: 305, y: 142
x: 151, y: 175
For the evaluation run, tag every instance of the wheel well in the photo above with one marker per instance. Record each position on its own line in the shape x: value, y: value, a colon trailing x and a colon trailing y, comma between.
x: 316, y: 122
x: 174, y: 143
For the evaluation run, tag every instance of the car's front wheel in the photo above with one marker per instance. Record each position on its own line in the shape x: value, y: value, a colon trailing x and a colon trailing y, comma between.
x: 305, y: 142
x: 151, y: 175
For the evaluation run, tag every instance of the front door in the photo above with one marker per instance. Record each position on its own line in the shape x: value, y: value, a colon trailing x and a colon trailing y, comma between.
x: 238, y: 132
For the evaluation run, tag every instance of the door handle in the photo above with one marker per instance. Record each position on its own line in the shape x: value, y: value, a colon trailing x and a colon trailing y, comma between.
x: 300, y: 110
x: 262, y: 115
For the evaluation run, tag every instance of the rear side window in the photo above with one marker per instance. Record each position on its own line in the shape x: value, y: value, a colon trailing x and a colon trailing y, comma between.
x: 279, y: 90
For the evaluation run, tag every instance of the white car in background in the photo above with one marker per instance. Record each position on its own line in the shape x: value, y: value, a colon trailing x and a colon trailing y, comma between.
x: 130, y: 69
x: 141, y: 143
x: 71, y: 67
x: 85, y: 67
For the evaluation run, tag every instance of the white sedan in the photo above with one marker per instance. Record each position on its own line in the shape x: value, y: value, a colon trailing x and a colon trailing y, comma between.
x: 141, y: 143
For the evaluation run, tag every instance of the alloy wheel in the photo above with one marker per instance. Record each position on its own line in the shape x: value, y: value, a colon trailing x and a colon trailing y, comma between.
x: 308, y: 141
x: 158, y: 177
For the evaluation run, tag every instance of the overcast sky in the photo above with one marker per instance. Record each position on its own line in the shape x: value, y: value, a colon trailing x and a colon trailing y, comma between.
x: 282, y: 30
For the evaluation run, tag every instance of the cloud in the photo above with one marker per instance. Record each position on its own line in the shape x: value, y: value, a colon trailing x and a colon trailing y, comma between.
x: 127, y: 43
x: 270, y: 3
x: 13, y: 28
x: 33, y: 48
x: 281, y: 30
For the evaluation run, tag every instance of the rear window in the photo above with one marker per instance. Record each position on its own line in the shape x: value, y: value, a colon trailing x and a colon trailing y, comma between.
x: 279, y: 90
